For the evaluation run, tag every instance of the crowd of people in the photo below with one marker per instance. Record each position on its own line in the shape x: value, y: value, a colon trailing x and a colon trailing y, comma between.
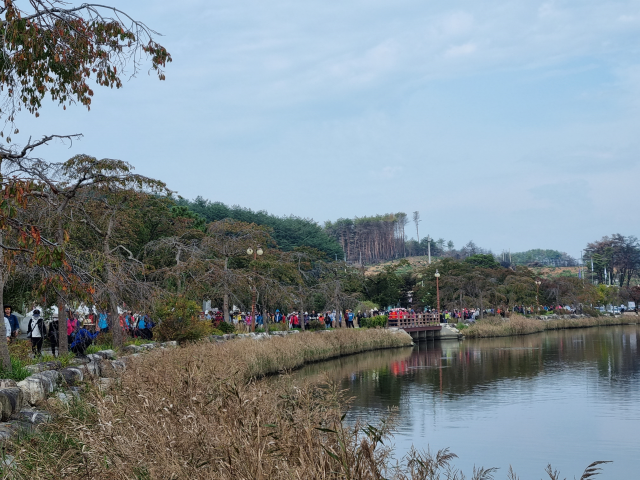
x: 294, y: 320
x: 81, y: 330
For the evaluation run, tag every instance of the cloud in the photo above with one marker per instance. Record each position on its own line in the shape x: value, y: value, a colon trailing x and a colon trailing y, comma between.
x: 494, y: 97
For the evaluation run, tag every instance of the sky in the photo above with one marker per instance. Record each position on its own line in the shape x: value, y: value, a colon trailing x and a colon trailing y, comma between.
x: 512, y: 124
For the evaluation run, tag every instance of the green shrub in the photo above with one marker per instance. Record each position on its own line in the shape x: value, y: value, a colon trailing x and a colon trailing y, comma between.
x: 180, y: 321
x: 18, y: 371
x: 104, y: 340
x: 277, y: 327
x: 461, y: 326
x: 315, y: 325
x: 374, y: 322
x: 225, y: 327
x: 96, y: 348
x: 591, y: 312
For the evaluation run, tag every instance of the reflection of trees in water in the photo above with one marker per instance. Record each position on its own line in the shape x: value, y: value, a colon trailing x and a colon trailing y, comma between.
x: 377, y: 379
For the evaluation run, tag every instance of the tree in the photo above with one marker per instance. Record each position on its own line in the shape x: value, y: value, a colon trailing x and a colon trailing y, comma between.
x: 416, y: 220
x: 52, y: 48
x: 229, y: 239
x: 483, y: 260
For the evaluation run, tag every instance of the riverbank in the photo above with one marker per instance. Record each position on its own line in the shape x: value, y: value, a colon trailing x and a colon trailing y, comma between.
x: 205, y: 409
x: 200, y: 412
x: 520, y: 325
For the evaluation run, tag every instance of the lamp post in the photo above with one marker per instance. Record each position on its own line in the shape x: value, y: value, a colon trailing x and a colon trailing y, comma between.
x: 437, y: 275
x: 538, y: 282
x: 429, y: 247
x: 255, y: 253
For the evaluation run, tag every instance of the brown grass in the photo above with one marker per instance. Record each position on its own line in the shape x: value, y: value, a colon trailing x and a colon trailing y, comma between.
x: 520, y: 325
x: 198, y: 412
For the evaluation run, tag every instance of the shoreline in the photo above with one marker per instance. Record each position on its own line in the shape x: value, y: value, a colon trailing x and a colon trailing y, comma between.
x: 518, y: 325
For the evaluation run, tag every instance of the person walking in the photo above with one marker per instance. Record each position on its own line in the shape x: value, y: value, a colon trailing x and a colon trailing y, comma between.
x: 52, y: 335
x: 36, y: 333
x: 350, y: 319
x: 13, y: 321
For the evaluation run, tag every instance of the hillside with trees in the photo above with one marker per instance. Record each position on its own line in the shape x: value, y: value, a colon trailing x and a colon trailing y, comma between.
x: 287, y: 232
x: 543, y: 258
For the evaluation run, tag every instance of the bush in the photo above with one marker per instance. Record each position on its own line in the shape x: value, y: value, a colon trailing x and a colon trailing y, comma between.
x: 20, y: 350
x: 180, y: 321
x: 18, y: 371
x: 104, y: 340
x: 315, y: 325
x: 591, y: 312
x: 374, y: 322
x: 225, y: 327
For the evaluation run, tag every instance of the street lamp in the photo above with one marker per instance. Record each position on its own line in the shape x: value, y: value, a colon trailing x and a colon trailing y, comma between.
x: 437, y: 275
x: 538, y: 282
x: 429, y: 247
x: 251, y: 251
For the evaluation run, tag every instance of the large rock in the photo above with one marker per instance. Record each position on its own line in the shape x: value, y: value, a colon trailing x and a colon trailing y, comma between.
x: 93, y: 367
x: 130, y: 349
x: 108, y: 354
x: 171, y: 344
x: 7, y: 383
x: 77, y: 361
x: 36, y: 387
x: 41, y: 367
x: 72, y: 375
x: 33, y: 416
x: 11, y: 401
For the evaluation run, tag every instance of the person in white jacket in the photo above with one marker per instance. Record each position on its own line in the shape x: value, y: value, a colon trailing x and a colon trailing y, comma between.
x: 7, y: 328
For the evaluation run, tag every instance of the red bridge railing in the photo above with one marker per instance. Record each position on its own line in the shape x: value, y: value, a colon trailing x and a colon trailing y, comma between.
x: 413, y: 320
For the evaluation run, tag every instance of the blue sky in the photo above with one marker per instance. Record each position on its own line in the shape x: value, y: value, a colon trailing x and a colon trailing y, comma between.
x: 514, y: 124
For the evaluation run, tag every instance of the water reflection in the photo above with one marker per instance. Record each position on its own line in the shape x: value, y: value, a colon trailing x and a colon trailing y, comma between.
x: 567, y: 397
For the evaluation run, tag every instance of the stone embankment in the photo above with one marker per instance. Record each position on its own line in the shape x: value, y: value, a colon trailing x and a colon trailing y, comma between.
x: 22, y: 403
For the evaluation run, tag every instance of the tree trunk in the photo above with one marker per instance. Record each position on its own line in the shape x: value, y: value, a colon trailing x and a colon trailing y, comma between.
x: 225, y: 300
x: 116, y: 330
x: 265, y: 315
x: 4, y: 347
x: 301, y: 315
x: 63, y: 343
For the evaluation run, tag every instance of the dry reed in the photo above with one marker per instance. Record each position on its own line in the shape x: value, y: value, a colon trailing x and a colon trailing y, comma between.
x: 200, y: 413
x: 520, y: 325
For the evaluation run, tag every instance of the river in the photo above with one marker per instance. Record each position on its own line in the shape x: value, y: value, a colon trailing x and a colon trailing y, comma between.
x: 566, y: 398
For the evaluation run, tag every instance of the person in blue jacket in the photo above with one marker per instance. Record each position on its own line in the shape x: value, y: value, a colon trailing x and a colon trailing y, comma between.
x: 81, y: 340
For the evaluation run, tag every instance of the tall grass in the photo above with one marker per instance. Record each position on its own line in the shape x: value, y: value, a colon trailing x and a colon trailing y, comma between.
x: 199, y: 412
x: 520, y: 325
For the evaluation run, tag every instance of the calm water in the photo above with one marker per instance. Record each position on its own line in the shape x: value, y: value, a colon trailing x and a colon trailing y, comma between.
x: 566, y: 398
